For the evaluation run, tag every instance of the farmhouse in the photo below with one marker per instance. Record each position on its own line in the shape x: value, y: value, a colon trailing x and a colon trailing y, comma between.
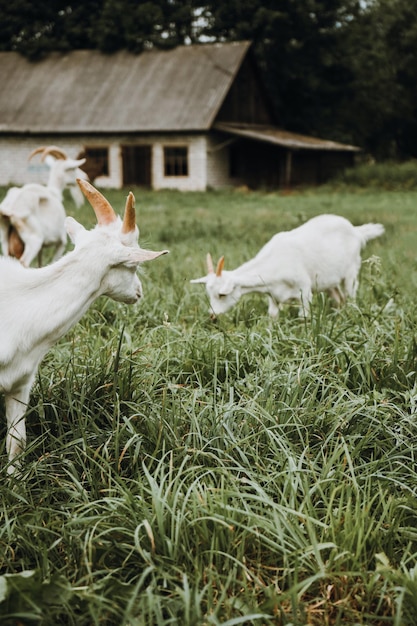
x: 191, y: 118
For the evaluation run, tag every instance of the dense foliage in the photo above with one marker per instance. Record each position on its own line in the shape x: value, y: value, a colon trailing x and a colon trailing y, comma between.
x: 340, y: 69
x: 246, y: 472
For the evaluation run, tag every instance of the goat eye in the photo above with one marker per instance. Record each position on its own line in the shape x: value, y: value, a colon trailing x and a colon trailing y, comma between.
x: 222, y: 295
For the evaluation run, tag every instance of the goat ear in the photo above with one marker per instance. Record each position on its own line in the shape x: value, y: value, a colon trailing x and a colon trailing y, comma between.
x: 225, y: 291
x: 73, y: 164
x: 203, y: 280
x: 73, y: 228
x: 139, y: 256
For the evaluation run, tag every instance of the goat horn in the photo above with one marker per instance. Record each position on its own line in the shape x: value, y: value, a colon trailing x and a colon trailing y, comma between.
x: 129, y: 219
x: 36, y: 151
x: 54, y: 151
x: 220, y: 266
x: 209, y: 260
x: 102, y: 208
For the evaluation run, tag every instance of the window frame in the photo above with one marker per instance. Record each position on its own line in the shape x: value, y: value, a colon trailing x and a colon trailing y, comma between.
x: 176, y: 161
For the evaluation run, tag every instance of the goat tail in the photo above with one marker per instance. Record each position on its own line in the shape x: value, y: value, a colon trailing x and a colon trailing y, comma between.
x: 367, y: 232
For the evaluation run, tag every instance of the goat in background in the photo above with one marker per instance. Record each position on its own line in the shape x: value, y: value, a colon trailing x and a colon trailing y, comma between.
x: 33, y: 216
x: 39, y: 305
x: 324, y: 254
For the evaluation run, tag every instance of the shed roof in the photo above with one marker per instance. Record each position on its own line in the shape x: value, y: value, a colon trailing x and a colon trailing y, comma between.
x: 286, y: 139
x: 87, y: 91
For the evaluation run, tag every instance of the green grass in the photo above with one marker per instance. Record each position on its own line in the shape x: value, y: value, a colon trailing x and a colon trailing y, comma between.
x: 245, y: 472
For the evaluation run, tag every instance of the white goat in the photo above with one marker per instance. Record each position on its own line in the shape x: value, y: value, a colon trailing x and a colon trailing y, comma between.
x: 39, y: 305
x: 33, y: 216
x: 324, y: 254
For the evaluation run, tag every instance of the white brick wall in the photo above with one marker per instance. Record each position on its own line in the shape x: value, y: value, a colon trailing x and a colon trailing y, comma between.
x: 197, y: 177
x: 208, y: 160
x: 15, y: 169
x: 218, y: 163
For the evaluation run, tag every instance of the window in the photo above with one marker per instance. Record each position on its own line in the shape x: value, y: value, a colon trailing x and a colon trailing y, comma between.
x: 97, y: 163
x: 176, y: 161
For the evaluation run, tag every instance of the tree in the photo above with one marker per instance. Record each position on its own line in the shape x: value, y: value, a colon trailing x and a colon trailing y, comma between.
x: 401, y: 38
x: 34, y: 29
x: 380, y: 107
x: 342, y: 69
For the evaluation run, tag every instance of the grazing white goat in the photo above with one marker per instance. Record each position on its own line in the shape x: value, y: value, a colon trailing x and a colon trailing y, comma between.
x: 39, y: 305
x: 33, y: 216
x: 324, y: 254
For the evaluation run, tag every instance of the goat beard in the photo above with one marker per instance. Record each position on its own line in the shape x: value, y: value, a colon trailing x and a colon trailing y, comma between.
x: 16, y: 245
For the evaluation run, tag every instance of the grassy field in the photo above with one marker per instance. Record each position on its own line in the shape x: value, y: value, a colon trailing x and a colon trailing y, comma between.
x: 181, y: 472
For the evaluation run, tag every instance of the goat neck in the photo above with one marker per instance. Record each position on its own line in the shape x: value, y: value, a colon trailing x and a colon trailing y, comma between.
x: 251, y: 276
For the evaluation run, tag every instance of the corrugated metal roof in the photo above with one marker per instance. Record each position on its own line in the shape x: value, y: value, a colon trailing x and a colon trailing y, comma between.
x: 86, y: 91
x: 283, y: 138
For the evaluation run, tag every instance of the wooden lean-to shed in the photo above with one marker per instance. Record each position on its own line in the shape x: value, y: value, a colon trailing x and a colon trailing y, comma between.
x: 191, y: 118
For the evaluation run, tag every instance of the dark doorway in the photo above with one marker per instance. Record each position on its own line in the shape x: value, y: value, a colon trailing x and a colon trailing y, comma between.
x: 136, y: 165
x: 97, y: 161
x: 259, y: 165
